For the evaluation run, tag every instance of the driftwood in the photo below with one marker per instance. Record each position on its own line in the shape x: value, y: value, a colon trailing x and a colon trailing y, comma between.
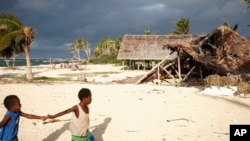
x: 177, y: 119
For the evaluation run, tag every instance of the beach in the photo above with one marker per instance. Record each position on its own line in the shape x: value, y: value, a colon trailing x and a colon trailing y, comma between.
x: 123, y: 112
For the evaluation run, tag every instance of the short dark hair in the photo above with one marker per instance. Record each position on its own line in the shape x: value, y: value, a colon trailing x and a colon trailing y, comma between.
x: 9, y: 100
x: 83, y: 93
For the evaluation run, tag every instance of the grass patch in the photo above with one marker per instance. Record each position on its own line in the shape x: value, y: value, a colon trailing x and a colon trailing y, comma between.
x: 52, y: 78
x: 90, y: 74
x: 44, y: 78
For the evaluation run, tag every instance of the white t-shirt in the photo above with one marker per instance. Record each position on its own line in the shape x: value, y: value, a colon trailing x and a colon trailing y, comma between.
x: 79, y: 126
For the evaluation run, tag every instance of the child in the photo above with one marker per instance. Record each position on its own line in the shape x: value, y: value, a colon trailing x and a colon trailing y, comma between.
x: 80, y: 117
x: 10, y: 123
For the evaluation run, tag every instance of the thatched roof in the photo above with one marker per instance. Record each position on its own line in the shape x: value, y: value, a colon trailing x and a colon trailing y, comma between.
x: 150, y: 47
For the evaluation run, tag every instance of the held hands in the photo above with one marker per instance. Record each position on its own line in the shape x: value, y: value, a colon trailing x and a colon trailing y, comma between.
x: 43, y: 118
x: 52, y: 119
x: 50, y: 116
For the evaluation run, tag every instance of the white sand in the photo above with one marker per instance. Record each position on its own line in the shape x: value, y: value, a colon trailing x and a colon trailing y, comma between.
x: 123, y: 112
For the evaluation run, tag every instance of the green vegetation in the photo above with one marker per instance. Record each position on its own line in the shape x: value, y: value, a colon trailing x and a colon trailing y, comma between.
x: 147, y: 32
x: 181, y: 27
x: 104, y: 60
x: 44, y: 78
x: 40, y: 78
x: 90, y: 74
x: 106, y: 51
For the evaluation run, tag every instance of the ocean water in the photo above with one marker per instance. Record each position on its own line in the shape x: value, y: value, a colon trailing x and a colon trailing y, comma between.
x: 34, y: 62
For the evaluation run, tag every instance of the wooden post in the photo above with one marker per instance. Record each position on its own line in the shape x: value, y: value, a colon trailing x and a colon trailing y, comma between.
x: 144, y: 65
x: 123, y: 65
x: 158, y: 74
x: 201, y: 74
x: 179, y: 65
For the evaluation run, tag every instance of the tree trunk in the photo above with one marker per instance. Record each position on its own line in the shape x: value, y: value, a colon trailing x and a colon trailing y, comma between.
x: 29, y: 75
x: 7, y: 62
x: 13, y: 60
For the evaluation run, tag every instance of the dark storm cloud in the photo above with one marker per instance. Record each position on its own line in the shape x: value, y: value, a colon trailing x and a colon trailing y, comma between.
x: 58, y: 22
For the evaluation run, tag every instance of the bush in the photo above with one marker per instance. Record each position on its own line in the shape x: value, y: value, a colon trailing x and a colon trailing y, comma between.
x: 105, y: 60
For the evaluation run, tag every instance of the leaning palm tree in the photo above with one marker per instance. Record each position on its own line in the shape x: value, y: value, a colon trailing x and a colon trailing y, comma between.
x: 13, y: 32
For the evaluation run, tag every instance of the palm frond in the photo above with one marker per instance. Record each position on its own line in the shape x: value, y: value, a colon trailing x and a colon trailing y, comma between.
x: 9, y: 22
x: 8, y: 38
x: 5, y: 18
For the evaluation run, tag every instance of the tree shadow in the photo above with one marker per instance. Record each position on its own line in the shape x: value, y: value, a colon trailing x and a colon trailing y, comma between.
x: 53, y: 136
x: 235, y: 102
x: 238, y: 103
x: 100, y: 129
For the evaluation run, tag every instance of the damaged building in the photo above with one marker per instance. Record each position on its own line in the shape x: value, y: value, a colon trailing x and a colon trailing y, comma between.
x: 223, y: 52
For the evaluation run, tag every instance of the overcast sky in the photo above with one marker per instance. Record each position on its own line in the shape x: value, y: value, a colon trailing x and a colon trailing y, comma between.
x: 59, y: 22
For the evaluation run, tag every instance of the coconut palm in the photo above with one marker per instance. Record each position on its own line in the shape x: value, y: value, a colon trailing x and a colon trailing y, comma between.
x: 182, y: 26
x: 16, y: 38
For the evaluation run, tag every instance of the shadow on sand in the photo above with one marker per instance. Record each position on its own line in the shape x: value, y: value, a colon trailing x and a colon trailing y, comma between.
x: 100, y: 129
x: 235, y: 102
x: 53, y: 136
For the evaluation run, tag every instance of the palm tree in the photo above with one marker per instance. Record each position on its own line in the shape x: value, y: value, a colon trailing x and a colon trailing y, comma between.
x: 16, y: 38
x: 181, y: 26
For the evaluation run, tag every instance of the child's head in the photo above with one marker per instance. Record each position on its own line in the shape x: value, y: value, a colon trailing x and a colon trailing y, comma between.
x: 84, y: 93
x: 12, y: 102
